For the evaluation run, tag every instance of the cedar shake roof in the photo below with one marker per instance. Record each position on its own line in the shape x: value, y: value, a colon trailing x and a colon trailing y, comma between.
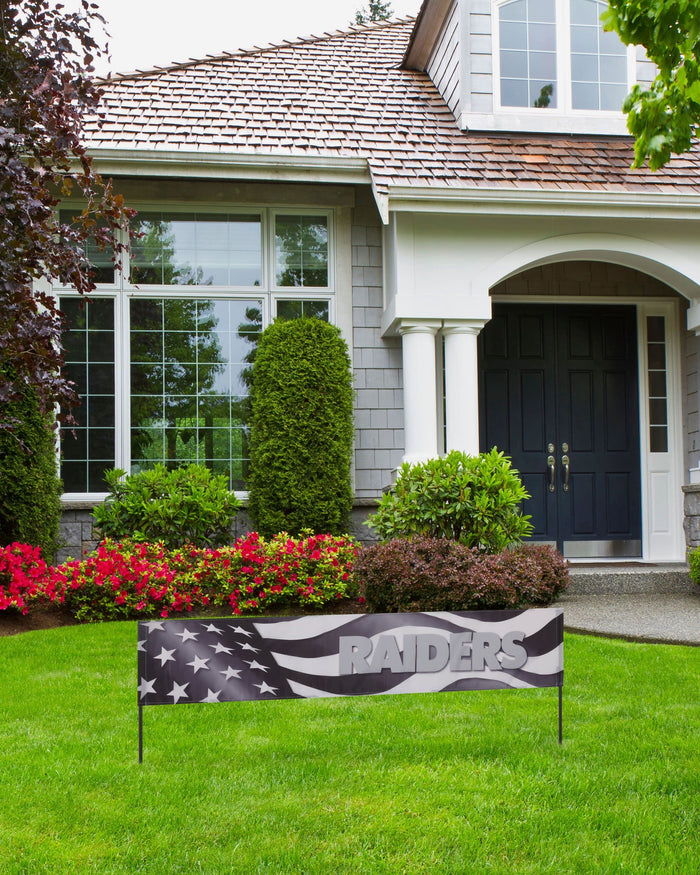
x: 345, y: 94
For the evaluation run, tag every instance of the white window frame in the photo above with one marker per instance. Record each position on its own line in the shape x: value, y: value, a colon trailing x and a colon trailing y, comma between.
x: 122, y: 292
x: 563, y: 117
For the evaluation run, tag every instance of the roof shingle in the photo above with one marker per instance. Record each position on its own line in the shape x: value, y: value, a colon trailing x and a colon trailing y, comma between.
x: 346, y: 95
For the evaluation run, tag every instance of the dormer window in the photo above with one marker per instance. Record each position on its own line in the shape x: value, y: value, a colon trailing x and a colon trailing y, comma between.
x: 554, y: 54
x: 598, y: 60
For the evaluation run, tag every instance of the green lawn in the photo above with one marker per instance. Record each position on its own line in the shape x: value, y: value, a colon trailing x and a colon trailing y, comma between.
x: 455, y: 782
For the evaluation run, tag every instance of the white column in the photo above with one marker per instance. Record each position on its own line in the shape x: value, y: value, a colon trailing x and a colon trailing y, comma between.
x: 462, y: 385
x: 419, y: 390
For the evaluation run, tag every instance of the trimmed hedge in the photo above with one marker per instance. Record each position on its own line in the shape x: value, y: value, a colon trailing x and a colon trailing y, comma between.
x: 30, y: 490
x: 436, y: 574
x: 301, y: 429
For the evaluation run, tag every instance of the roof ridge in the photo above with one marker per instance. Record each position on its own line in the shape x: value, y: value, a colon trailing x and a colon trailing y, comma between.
x: 350, y: 30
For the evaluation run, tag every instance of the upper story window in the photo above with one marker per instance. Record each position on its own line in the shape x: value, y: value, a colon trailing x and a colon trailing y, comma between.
x: 554, y: 54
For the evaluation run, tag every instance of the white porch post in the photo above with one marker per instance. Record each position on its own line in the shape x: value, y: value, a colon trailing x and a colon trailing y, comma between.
x: 419, y: 389
x: 462, y: 385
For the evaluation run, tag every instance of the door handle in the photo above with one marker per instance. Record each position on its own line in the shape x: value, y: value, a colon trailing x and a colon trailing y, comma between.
x: 566, y: 463
x: 552, y: 465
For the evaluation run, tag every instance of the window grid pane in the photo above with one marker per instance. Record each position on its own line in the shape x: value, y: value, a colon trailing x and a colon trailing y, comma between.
x: 89, y: 352
x: 658, y: 384
x: 598, y: 60
x: 301, y: 251
x: 189, y: 383
x: 528, y: 54
x: 197, y: 249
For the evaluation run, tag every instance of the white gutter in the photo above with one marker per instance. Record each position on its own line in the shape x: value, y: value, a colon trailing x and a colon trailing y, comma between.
x: 544, y: 202
x: 230, y: 165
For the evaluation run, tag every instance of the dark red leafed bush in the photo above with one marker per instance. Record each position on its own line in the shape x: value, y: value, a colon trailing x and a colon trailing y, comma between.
x: 437, y: 574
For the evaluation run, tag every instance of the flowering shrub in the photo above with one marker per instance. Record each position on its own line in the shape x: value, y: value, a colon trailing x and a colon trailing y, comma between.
x: 127, y: 579
x: 22, y: 575
x: 437, y: 574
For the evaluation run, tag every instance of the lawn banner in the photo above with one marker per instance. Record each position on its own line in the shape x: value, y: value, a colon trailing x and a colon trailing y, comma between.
x: 234, y: 660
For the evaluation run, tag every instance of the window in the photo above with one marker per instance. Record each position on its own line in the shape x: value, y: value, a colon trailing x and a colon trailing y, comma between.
x: 658, y: 391
x: 161, y: 361
x: 555, y: 55
x: 528, y: 53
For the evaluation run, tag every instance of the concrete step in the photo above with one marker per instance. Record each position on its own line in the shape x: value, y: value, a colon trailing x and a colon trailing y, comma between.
x: 630, y: 578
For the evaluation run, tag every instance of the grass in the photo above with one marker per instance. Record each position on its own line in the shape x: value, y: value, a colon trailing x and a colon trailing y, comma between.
x: 445, y: 783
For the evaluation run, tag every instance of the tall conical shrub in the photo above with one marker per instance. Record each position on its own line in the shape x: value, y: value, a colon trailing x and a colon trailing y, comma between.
x: 301, y: 429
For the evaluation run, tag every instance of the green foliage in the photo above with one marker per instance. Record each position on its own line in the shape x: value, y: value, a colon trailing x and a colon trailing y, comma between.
x: 178, y: 506
x: 436, y: 574
x: 377, y: 11
x: 471, y: 499
x: 30, y: 490
x: 301, y: 429
x: 694, y: 565
x: 663, y: 118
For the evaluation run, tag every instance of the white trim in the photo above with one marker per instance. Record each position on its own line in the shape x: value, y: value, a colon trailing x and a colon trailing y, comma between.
x: 187, y: 163
x: 536, y: 202
x: 661, y: 473
x: 539, y: 121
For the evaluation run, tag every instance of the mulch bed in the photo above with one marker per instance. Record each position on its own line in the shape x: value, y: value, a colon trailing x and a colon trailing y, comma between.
x: 53, y: 617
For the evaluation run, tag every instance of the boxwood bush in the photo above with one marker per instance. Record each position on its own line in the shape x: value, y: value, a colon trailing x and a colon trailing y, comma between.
x: 301, y: 429
x: 475, y: 500
x: 438, y: 574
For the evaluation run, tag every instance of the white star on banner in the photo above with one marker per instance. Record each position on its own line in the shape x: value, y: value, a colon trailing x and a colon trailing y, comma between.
x: 141, y: 646
x: 219, y: 648
x: 154, y: 625
x: 240, y: 631
x: 165, y: 656
x: 186, y: 635
x: 247, y: 646
x: 146, y: 687
x: 212, y: 628
x: 211, y: 696
x: 255, y: 664
x: 198, y: 663
x: 178, y: 692
x: 231, y: 673
x: 265, y: 688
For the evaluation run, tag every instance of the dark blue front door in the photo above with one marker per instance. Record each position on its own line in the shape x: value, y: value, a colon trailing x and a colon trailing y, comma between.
x: 558, y: 393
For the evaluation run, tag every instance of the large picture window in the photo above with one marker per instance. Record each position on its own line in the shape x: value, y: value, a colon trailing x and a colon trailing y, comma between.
x: 162, y: 362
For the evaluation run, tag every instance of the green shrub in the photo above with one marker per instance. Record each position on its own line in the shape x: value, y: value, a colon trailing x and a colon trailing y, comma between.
x: 437, y: 574
x: 694, y: 565
x: 30, y: 490
x: 185, y: 505
x: 301, y: 429
x: 471, y: 499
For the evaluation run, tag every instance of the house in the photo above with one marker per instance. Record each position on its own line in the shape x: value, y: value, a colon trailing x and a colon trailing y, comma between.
x: 455, y: 192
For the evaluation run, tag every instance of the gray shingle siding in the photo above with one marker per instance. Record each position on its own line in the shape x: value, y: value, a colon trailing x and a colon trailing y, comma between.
x: 379, y: 439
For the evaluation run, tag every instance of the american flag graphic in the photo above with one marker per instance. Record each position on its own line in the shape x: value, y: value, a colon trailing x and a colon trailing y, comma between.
x: 231, y: 659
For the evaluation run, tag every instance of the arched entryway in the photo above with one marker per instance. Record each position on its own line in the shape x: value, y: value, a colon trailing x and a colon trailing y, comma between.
x: 578, y: 383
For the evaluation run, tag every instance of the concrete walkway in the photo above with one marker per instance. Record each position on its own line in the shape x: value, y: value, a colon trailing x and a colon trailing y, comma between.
x: 658, y: 604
